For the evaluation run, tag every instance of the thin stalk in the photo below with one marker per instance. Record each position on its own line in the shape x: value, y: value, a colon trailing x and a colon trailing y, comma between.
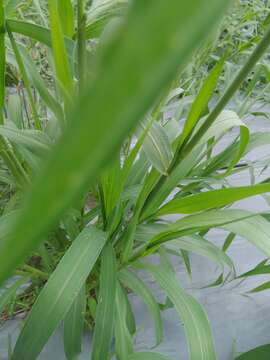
x: 25, y: 79
x: 2, y: 61
x: 35, y: 272
x: 186, y: 148
x: 81, y: 54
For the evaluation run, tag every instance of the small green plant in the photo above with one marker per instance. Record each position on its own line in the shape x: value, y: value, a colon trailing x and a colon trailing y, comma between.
x: 91, y: 169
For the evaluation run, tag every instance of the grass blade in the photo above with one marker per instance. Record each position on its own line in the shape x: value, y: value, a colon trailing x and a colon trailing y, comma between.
x: 261, y: 352
x: 74, y: 326
x: 38, y: 33
x: 103, y: 331
x: 59, y: 293
x: 10, y: 292
x: 212, y: 199
x: 123, y: 340
x: 199, y: 245
x: 133, y: 282
x: 39, y: 84
x: 158, y: 148
x: 66, y: 16
x: 195, y: 320
x: 25, y: 79
x: 202, y: 99
x: 61, y: 63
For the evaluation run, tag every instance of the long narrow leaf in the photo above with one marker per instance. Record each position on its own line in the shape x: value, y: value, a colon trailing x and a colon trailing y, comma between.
x: 123, y: 340
x: 196, y: 324
x: 260, y: 353
x: 58, y: 295
x: 134, y: 283
x: 211, y: 199
x: 74, y: 326
x: 104, y: 320
x: 38, y: 33
x: 61, y: 62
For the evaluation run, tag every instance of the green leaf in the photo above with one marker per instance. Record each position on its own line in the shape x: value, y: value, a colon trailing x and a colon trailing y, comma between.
x: 133, y: 282
x: 40, y: 85
x: 74, y: 326
x: 66, y: 16
x: 127, y: 167
x: 228, y: 241
x: 202, y: 99
x: 147, y: 356
x: 130, y: 318
x: 227, y: 120
x: 199, y: 245
x: 33, y: 140
x: 87, y: 146
x: 255, y: 229
x: 9, y: 292
x: 10, y: 7
x: 260, y: 353
x: 198, y: 222
x: 25, y: 79
x: 259, y: 269
x: 123, y: 339
x: 250, y: 226
x: 186, y: 259
x: 15, y: 110
x: 101, y: 14
x: 172, y: 180
x: 38, y: 33
x: 110, y: 186
x: 104, y: 320
x: 212, y: 199
x: 263, y: 287
x: 58, y: 295
x: 196, y: 324
x: 61, y: 63
x: 158, y: 148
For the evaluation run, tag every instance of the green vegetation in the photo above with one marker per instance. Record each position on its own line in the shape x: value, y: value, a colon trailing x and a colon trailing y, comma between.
x: 112, y: 116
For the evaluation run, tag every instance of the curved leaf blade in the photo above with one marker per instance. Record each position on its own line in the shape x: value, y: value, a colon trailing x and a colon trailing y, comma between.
x: 212, y: 199
x: 59, y: 293
x: 133, y: 282
x: 104, y: 325
x: 73, y: 326
x: 197, y: 328
x: 260, y: 353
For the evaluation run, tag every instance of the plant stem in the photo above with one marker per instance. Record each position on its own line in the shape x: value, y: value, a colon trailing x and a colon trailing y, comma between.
x: 33, y: 272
